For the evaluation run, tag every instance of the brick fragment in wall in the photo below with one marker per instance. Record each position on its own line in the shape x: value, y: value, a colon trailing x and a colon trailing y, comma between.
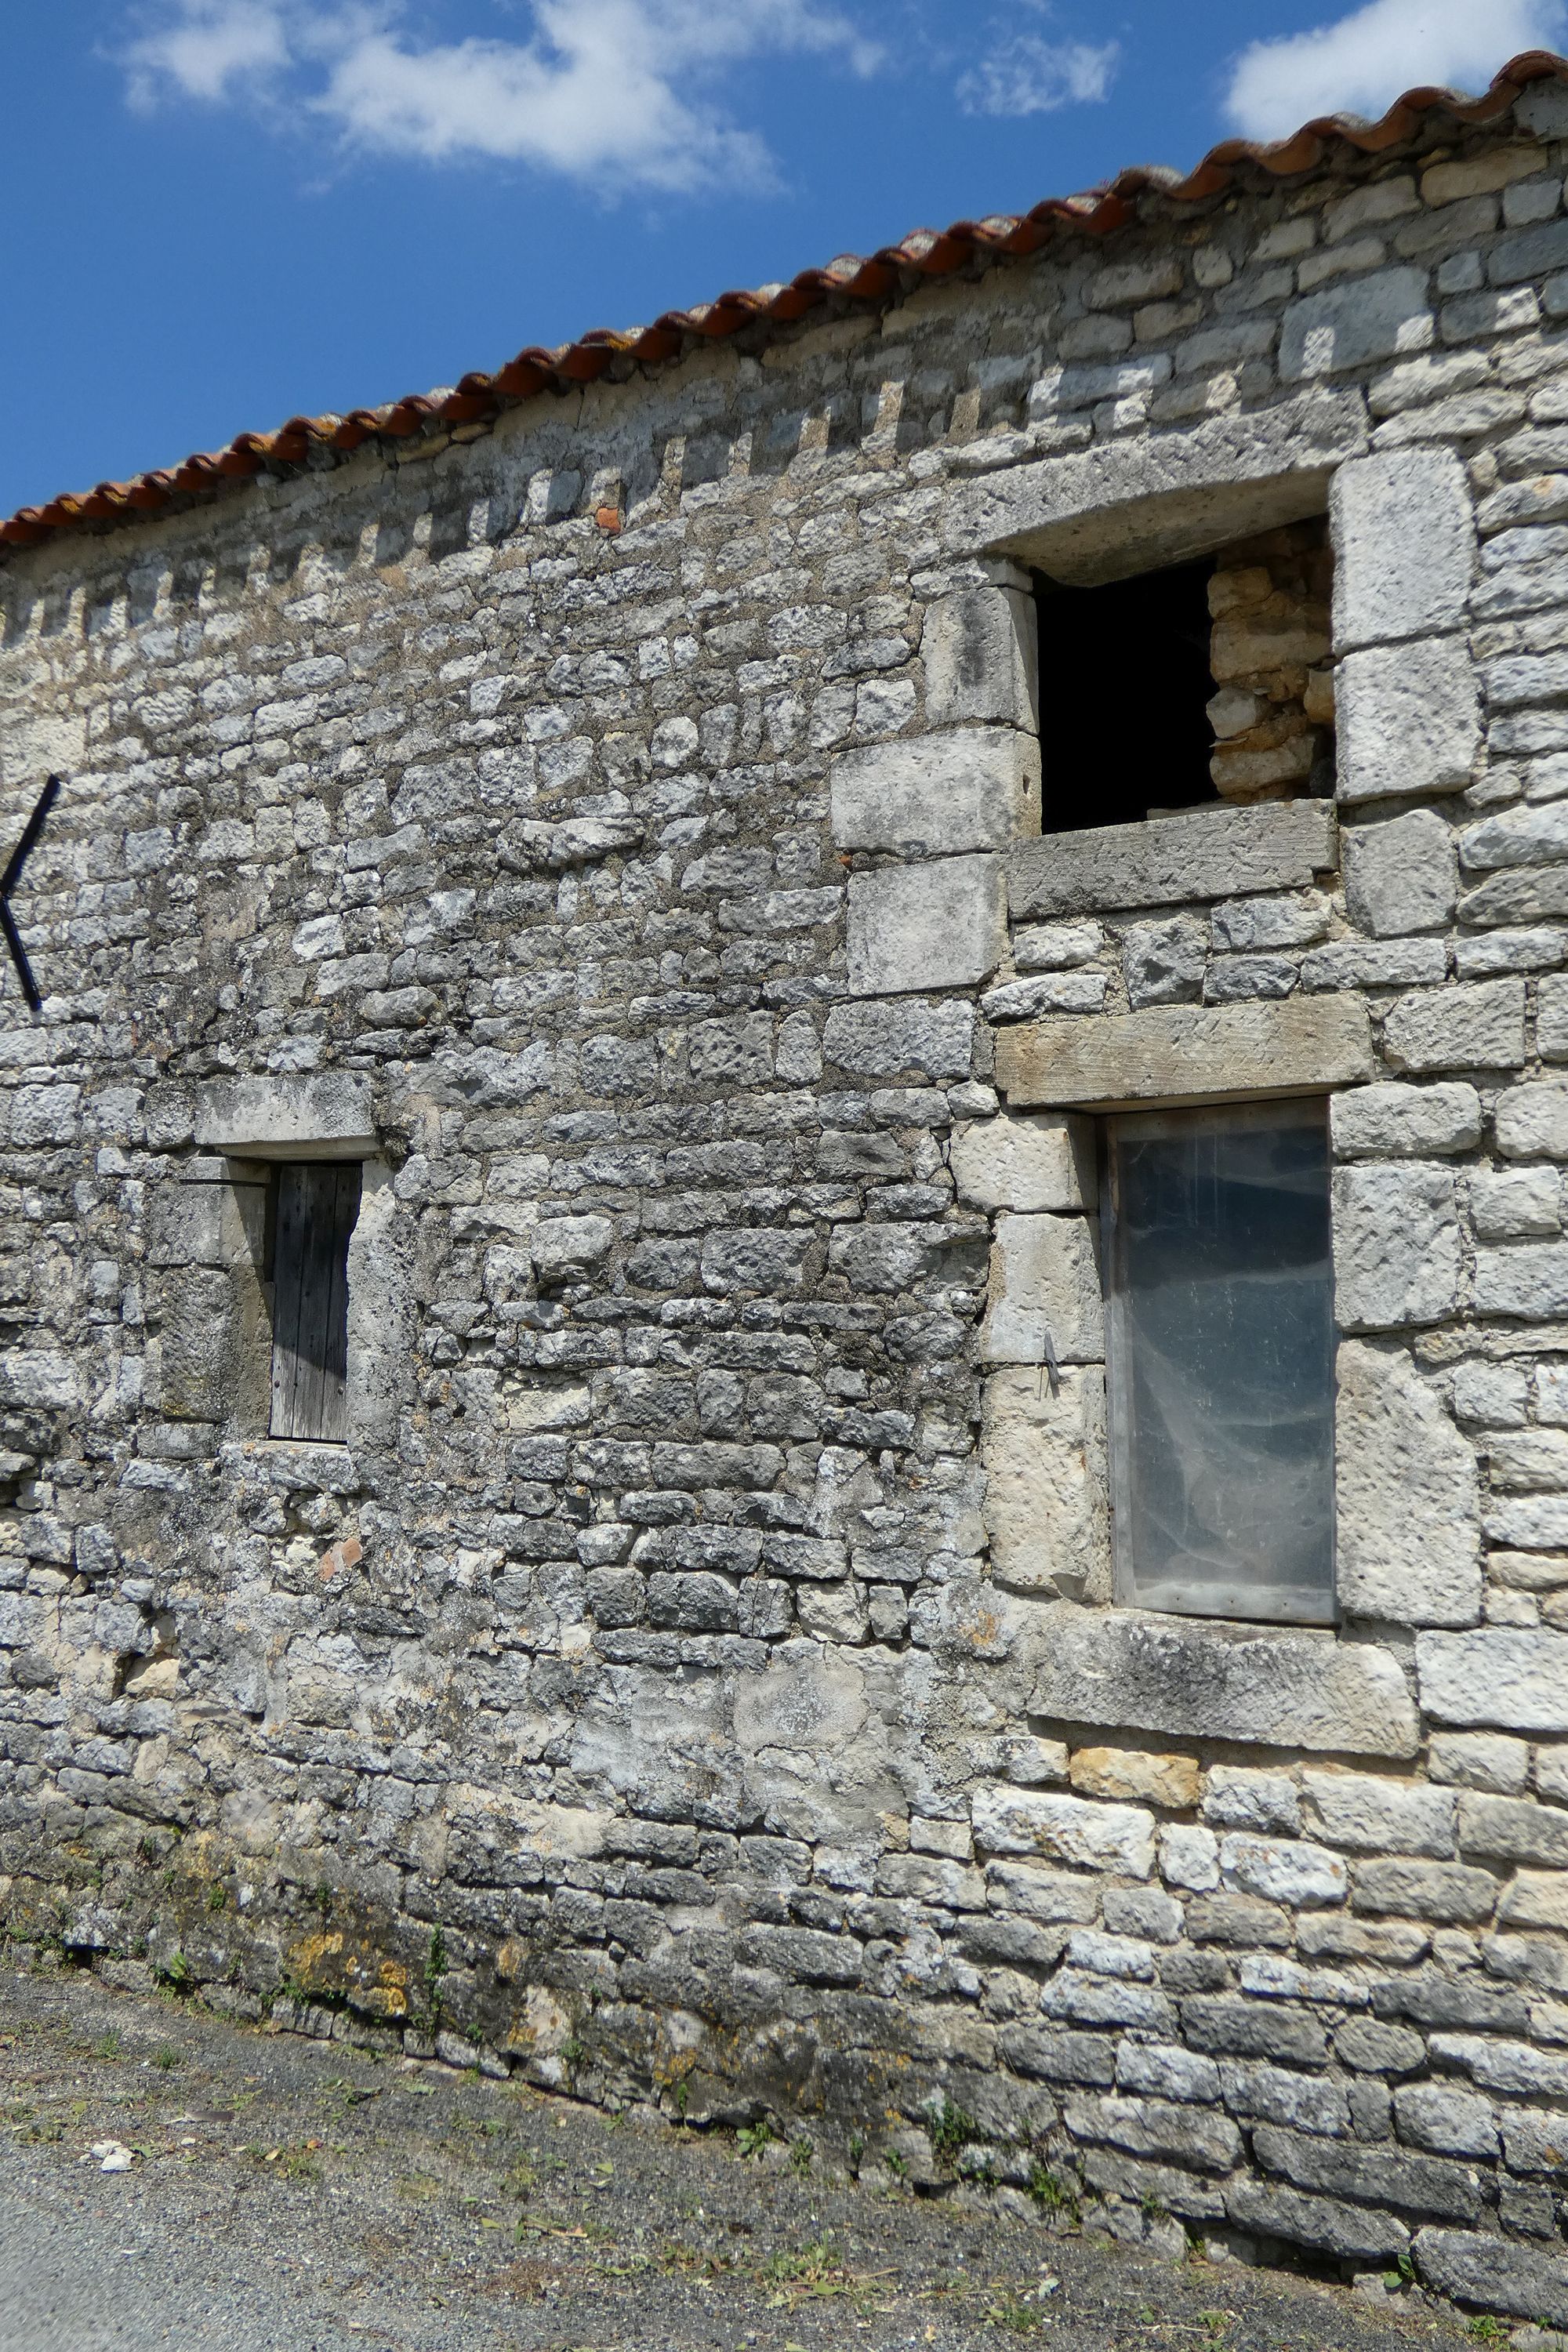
x: 1272, y: 712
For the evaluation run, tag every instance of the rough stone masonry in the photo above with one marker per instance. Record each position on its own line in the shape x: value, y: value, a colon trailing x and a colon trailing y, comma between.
x: 699, y: 1676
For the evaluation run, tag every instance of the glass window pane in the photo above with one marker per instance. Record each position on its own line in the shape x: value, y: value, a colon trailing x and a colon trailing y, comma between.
x: 1222, y: 1370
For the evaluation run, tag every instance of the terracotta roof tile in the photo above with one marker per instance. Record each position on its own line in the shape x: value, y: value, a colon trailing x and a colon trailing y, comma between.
x: 849, y: 278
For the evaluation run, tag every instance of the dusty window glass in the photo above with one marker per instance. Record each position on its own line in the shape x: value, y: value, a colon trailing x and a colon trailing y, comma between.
x: 1221, y: 1361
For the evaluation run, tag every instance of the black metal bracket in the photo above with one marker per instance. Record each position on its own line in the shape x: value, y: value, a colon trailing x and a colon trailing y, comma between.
x: 8, y: 881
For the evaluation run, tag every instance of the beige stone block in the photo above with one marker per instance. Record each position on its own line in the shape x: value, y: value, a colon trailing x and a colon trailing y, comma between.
x: 1133, y: 1671
x: 1043, y: 1451
x: 1479, y: 175
x: 1037, y: 1162
x: 1044, y: 1299
x: 1408, y: 1503
x: 1188, y: 1053
x: 1173, y: 1782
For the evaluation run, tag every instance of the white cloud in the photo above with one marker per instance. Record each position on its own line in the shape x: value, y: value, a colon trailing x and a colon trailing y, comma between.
x: 616, y: 90
x: 1360, y: 63
x: 1029, y: 76
x: 206, y: 49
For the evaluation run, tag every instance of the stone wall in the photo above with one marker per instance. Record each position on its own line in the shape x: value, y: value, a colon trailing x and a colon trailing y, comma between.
x: 699, y: 1676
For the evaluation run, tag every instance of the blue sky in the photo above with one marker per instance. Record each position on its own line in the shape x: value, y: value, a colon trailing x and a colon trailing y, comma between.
x: 223, y: 212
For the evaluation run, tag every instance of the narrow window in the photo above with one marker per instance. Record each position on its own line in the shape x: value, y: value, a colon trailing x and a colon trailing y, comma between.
x: 1126, y: 728
x: 316, y: 1204
x: 1221, y: 1361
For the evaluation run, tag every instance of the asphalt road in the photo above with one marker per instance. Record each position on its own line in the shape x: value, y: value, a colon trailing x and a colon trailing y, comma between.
x: 289, y: 2195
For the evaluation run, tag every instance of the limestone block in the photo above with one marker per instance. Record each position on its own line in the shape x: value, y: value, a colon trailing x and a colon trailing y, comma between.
x: 1164, y: 962
x: 1290, y: 1871
x: 323, y: 1113
x: 1043, y: 1451
x: 930, y: 795
x: 1407, y: 1505
x: 1478, y: 1759
x: 1146, y: 499
x: 1128, y: 1774
x: 1210, y: 853
x: 1037, y: 1162
x: 1135, y: 1673
x: 1445, y: 2120
x: 1477, y: 1024
x: 564, y: 1248
x: 918, y: 1036
x: 1396, y: 1245
x: 1533, y: 835
x: 196, y: 1307
x: 1512, y: 1677
x: 1376, y: 1816
x: 1404, y: 546
x: 1402, y: 876
x: 1188, y: 1053
x: 1240, y: 1797
x: 1532, y: 1120
x: 1529, y: 1280
x: 1090, y: 1836
x: 1498, y: 2273
x: 1392, y: 1121
x: 1407, y: 721
x: 1382, y: 315
x: 981, y: 648
x: 207, y: 1222
x: 1516, y: 1204
x: 1044, y: 1297
x: 1552, y: 1018
x: 941, y: 924
x: 1189, y: 1857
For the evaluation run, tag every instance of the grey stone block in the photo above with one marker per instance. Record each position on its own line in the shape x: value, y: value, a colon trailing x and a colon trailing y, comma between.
x: 1407, y: 1507
x: 1038, y: 1162
x: 1533, y: 835
x: 1404, y: 546
x: 1152, y: 499
x: 981, y: 651
x: 940, y: 924
x: 1223, y: 1681
x: 1532, y: 1120
x: 327, y: 1113
x: 1407, y: 721
x: 1187, y: 1054
x: 1401, y: 876
x: 1212, y: 853
x: 1044, y: 1297
x: 1382, y: 315
x: 1371, y: 2176
x: 1512, y: 1677
x: 1495, y: 2273
x: 1371, y: 1815
x: 931, y: 795
x: 916, y: 1036
x: 1391, y: 1121
x: 1396, y: 1245
x: 1475, y: 1026
x: 1352, y: 2231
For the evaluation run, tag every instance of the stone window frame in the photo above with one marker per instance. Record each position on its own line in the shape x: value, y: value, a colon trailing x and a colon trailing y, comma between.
x: 1402, y: 541
x: 209, y: 1222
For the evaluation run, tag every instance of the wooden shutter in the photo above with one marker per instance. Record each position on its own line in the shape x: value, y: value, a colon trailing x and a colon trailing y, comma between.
x: 318, y: 1202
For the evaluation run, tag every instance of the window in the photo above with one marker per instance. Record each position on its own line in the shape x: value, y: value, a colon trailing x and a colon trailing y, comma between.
x: 1128, y: 729
x: 314, y: 1206
x: 1220, y: 1353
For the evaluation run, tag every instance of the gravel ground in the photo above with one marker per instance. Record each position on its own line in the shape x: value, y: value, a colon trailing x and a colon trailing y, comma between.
x: 290, y: 2196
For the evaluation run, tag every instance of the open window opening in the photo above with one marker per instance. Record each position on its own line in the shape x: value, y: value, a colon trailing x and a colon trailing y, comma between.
x: 1202, y: 682
x: 1220, y: 1349
x: 312, y: 1209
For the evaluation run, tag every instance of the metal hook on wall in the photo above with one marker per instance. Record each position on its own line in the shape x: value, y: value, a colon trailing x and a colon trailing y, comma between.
x: 8, y: 881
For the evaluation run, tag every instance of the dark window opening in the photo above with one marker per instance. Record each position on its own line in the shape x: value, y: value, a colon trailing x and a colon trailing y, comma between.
x: 1124, y: 688
x: 313, y: 1208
